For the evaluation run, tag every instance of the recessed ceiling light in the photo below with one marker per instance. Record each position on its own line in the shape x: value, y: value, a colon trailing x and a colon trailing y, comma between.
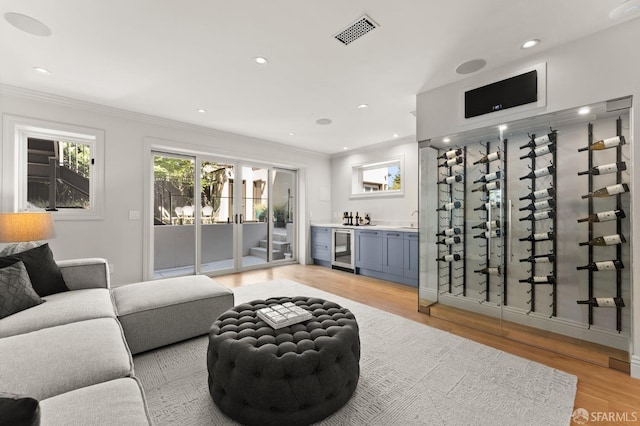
x: 471, y: 66
x: 201, y: 111
x: 41, y: 70
x: 27, y: 24
x: 363, y: 106
x: 345, y: 148
x: 261, y: 61
x: 530, y: 43
x: 446, y: 140
x: 395, y: 135
x: 584, y: 110
x: 324, y: 121
x: 291, y: 134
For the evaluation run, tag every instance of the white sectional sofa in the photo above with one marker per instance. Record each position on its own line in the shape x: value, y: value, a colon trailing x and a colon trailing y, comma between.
x: 70, y: 353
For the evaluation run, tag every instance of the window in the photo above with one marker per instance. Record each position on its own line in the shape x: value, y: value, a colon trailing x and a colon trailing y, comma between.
x: 378, y: 179
x: 55, y: 167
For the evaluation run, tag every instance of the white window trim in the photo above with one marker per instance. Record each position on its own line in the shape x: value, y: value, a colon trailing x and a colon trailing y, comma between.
x: 356, y: 179
x: 17, y: 130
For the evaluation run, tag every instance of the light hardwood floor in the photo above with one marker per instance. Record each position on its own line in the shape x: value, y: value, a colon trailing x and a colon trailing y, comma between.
x: 600, y: 389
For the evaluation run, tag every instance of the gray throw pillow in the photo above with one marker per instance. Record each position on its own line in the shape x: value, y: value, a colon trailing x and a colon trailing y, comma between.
x: 16, y: 291
x: 44, y: 273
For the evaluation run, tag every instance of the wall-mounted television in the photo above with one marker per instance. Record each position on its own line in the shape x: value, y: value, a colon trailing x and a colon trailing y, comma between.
x: 515, y: 91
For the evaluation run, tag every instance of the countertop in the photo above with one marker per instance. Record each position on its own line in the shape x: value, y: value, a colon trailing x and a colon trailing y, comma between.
x: 371, y: 227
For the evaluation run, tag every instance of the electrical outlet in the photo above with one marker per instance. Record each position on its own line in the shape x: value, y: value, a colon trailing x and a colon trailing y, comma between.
x: 134, y: 214
x: 111, y: 267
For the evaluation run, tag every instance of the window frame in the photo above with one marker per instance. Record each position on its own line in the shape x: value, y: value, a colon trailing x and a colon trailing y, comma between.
x: 18, y: 130
x: 357, y: 178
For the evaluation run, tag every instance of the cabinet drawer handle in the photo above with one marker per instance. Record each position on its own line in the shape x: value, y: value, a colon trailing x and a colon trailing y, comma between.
x: 393, y: 234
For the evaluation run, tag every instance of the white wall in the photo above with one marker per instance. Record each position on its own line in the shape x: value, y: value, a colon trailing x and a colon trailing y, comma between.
x: 394, y: 210
x: 115, y: 237
x: 593, y: 69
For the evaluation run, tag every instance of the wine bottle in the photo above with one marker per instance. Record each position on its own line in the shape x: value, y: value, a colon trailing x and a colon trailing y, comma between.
x: 449, y: 258
x: 540, y: 279
x: 541, y: 140
x: 540, y: 258
x: 489, y: 271
x: 487, y: 206
x: 537, y: 195
x: 538, y: 152
x: 487, y: 186
x: 450, y: 154
x: 540, y: 205
x: 605, y: 240
x: 549, y: 214
x: 452, y: 162
x: 451, y: 179
x: 449, y: 232
x: 489, y: 234
x: 540, y: 236
x: 489, y: 177
x: 603, y: 302
x: 605, y: 265
x: 604, y: 144
x: 539, y: 173
x: 488, y: 158
x: 450, y: 240
x: 604, y: 216
x: 605, y: 168
x: 487, y: 225
x: 608, y: 191
x: 450, y: 206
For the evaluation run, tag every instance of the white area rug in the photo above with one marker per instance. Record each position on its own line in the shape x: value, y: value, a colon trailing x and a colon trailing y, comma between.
x: 411, y: 374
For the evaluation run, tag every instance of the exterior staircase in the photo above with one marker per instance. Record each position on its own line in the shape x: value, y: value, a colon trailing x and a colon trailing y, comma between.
x: 280, y: 246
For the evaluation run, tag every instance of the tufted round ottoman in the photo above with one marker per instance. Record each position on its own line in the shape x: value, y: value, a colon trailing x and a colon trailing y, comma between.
x: 295, y: 375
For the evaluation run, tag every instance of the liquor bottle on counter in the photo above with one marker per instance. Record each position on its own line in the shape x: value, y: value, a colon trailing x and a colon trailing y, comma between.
x: 489, y: 234
x: 603, y: 302
x: 539, y: 205
x: 540, y: 258
x: 487, y: 225
x: 541, y: 140
x: 608, y: 191
x: 540, y: 279
x: 449, y: 258
x: 489, y: 271
x: 604, y: 144
x: 604, y: 216
x: 449, y: 232
x: 545, y: 171
x: 543, y: 150
x: 487, y: 206
x: 488, y: 158
x: 451, y: 179
x: 605, y: 265
x: 549, y: 214
x: 605, y: 240
x: 452, y: 162
x: 605, y: 168
x: 487, y: 186
x: 450, y: 154
x: 450, y: 240
x: 537, y: 195
x: 489, y: 177
x: 450, y: 206
x: 540, y: 236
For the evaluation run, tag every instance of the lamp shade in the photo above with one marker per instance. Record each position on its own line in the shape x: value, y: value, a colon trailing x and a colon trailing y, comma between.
x: 26, y: 226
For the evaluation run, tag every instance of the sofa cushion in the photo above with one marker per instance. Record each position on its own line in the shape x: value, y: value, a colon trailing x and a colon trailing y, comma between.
x: 16, y: 291
x: 59, y: 359
x: 116, y: 402
x: 19, y: 410
x: 44, y: 273
x: 61, y: 308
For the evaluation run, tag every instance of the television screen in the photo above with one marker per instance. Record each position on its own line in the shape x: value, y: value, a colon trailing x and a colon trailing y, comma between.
x: 512, y: 92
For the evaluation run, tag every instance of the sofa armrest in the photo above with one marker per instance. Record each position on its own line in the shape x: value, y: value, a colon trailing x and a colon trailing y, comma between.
x: 85, y: 273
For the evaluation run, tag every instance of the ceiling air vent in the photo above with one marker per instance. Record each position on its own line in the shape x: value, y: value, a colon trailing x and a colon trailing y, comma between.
x: 356, y: 30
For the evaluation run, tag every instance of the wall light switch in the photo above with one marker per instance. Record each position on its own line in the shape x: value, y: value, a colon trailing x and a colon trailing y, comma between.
x: 134, y: 214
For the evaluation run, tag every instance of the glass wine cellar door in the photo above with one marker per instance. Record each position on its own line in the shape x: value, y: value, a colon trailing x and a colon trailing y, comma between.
x: 526, y: 225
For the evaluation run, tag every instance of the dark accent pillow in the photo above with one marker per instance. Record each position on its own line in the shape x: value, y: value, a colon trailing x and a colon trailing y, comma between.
x: 44, y: 273
x: 18, y: 410
x: 16, y: 291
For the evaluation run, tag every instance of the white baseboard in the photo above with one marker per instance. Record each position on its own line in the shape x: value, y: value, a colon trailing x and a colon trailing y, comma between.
x: 562, y: 326
x: 635, y: 366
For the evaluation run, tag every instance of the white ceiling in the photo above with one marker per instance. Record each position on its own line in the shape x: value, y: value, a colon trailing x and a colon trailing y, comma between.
x: 168, y: 58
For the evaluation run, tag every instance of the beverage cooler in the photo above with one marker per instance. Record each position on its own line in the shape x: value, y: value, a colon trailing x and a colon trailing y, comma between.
x: 527, y: 223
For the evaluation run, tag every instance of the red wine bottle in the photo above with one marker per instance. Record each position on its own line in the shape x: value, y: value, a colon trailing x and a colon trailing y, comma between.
x: 489, y: 234
x: 604, y: 144
x: 540, y: 205
x: 608, y: 191
x: 538, y: 152
x: 451, y: 179
x: 604, y: 216
x: 549, y: 214
x: 449, y: 258
x: 452, y: 162
x: 605, y: 168
x: 487, y: 206
x: 540, y: 279
x: 450, y: 154
x: 450, y: 240
x: 449, y: 232
x: 605, y: 240
x: 603, y: 302
x: 489, y: 177
x: 489, y: 271
x: 541, y: 140
x: 539, y: 173
x: 487, y: 186
x: 450, y: 206
x: 540, y: 236
x: 606, y: 265
x: 540, y: 258
x: 537, y: 195
x: 488, y: 158
x: 487, y: 225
